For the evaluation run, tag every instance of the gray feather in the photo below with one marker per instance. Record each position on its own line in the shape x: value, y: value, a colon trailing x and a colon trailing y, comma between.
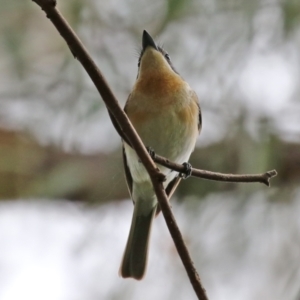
x: 136, y: 252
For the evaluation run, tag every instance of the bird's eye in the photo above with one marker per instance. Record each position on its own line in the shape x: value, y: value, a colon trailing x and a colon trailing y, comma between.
x: 167, y: 56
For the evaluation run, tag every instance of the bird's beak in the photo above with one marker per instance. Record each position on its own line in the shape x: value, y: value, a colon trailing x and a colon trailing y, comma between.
x: 148, y: 41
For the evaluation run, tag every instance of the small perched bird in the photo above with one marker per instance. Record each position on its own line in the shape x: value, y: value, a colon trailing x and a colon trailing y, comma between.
x: 165, y: 112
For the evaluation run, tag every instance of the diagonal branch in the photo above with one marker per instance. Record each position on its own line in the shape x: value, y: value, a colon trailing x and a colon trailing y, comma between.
x: 123, y: 122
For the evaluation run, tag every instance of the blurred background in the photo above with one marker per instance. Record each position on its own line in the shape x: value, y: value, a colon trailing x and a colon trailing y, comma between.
x: 64, y: 210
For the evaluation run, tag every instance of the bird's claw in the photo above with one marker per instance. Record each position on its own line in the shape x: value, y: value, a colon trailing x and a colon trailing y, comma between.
x: 187, y: 172
x: 151, y: 152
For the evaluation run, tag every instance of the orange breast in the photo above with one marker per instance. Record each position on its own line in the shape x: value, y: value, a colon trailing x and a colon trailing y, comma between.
x: 138, y: 116
x: 188, y: 113
x: 160, y: 87
x: 157, y: 93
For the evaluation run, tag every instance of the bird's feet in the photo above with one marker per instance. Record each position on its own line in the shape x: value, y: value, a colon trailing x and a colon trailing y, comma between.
x: 151, y: 152
x: 187, y: 172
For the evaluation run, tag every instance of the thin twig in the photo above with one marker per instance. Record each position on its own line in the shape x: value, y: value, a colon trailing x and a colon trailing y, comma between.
x: 263, y: 178
x: 156, y: 176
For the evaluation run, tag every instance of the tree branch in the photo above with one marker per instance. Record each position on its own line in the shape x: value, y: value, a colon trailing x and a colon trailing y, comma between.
x: 263, y: 178
x: 108, y: 97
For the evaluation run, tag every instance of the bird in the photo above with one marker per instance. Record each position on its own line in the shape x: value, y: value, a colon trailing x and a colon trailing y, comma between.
x: 165, y: 113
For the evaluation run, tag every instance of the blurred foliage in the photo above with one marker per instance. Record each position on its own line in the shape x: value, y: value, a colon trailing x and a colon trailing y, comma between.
x: 291, y: 11
x: 29, y: 170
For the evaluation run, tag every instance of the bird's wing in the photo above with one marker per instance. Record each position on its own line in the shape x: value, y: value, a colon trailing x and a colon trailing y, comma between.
x: 127, y: 172
x: 195, y: 98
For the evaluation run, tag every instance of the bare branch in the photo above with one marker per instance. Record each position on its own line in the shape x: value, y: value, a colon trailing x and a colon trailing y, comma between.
x: 263, y: 178
x: 123, y: 122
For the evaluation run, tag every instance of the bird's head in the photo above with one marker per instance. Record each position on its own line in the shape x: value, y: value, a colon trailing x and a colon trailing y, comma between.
x: 153, y: 58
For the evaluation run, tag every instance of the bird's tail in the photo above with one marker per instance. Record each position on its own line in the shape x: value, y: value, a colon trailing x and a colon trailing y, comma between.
x: 135, y: 256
